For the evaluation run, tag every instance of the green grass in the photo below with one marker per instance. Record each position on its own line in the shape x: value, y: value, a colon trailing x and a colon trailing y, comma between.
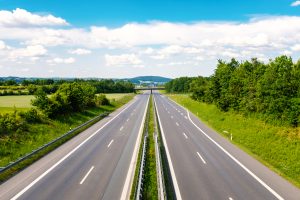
x: 150, y: 176
x: 9, y: 104
x: 277, y: 147
x: 22, y: 101
x: 18, y: 144
x: 116, y: 96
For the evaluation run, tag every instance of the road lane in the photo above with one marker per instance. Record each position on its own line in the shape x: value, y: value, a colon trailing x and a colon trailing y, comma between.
x: 109, y: 152
x: 220, y: 177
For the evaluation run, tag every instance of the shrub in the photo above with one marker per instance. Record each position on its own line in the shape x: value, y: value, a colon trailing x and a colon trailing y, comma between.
x: 31, y: 116
x: 102, y: 100
x: 11, y: 122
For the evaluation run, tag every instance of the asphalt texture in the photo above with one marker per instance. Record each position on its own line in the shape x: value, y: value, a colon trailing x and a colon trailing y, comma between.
x: 207, y: 166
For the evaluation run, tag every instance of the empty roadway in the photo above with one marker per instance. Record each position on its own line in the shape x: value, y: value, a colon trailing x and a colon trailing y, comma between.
x: 207, y: 166
x: 93, y: 165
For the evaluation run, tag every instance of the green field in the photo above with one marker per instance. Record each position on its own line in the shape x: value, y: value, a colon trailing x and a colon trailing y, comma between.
x: 277, y: 147
x: 17, y: 101
x: 10, y: 103
x: 116, y: 96
x: 23, y: 102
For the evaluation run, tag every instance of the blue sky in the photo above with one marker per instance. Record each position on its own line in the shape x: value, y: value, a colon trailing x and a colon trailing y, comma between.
x: 117, y: 12
x: 172, y: 38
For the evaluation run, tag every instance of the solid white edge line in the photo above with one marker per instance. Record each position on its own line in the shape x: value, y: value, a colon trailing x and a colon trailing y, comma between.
x: 86, y: 175
x: 130, y: 174
x: 233, y: 158
x: 110, y: 143
x: 201, y: 157
x: 66, y: 156
x: 175, y: 183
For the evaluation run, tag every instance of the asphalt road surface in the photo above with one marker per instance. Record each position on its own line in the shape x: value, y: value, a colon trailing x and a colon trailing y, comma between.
x: 204, y: 165
x: 97, y: 164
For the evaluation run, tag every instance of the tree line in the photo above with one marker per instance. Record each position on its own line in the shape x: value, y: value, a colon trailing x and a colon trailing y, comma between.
x: 50, y: 86
x: 271, y: 90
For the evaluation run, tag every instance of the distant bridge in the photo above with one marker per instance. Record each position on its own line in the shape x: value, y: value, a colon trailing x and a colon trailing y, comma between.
x: 149, y: 88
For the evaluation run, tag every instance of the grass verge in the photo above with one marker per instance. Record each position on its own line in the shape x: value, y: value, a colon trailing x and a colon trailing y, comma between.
x: 19, y: 144
x: 150, y: 176
x: 277, y: 147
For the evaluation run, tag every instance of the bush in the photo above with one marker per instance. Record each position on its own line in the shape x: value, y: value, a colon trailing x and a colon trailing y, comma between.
x: 102, y: 100
x: 31, y: 116
x: 70, y: 97
x: 11, y: 123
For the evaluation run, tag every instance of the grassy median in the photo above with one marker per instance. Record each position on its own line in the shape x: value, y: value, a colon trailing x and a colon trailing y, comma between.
x: 150, y: 177
x: 278, y: 147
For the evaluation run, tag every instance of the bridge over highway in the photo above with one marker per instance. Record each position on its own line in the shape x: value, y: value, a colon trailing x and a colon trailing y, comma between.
x: 149, y: 88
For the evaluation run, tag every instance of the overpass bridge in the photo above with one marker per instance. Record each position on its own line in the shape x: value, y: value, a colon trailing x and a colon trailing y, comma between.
x: 149, y: 88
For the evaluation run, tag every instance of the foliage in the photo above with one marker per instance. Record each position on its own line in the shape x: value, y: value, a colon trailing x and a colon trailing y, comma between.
x: 31, y: 116
x: 181, y: 85
x: 11, y: 122
x: 70, y: 97
x: 102, y: 100
x: 271, y: 90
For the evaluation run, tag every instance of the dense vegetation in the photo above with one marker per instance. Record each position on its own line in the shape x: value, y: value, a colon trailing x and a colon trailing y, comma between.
x: 272, y: 90
x: 69, y: 98
x: 50, y: 86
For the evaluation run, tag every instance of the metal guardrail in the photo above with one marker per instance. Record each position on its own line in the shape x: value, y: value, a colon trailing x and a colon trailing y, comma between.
x: 159, y: 172
x: 12, y: 164
x: 160, y: 176
x: 141, y: 171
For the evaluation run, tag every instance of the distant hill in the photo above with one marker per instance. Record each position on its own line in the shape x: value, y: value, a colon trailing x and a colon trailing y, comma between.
x: 149, y: 79
x: 136, y: 80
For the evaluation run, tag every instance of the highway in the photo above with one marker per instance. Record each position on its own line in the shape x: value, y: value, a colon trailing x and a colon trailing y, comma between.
x: 97, y: 164
x: 204, y: 165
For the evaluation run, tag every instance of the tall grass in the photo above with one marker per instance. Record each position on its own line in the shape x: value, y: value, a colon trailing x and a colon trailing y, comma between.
x: 278, y: 147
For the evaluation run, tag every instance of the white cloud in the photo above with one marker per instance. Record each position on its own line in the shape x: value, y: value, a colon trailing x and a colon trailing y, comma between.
x: 287, y: 52
x: 122, y: 60
x: 2, y: 45
x: 145, y: 44
x: 80, y: 51
x: 61, y: 60
x: 29, y: 51
x: 21, y: 17
x: 296, y: 47
x: 296, y: 3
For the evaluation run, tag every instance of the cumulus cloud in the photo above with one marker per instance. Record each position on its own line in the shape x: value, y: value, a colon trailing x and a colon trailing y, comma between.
x: 80, y: 51
x: 122, y: 60
x: 270, y: 33
x: 21, y: 17
x: 2, y: 45
x: 58, y: 60
x: 296, y: 3
x: 139, y: 44
x: 29, y: 51
x: 296, y: 47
